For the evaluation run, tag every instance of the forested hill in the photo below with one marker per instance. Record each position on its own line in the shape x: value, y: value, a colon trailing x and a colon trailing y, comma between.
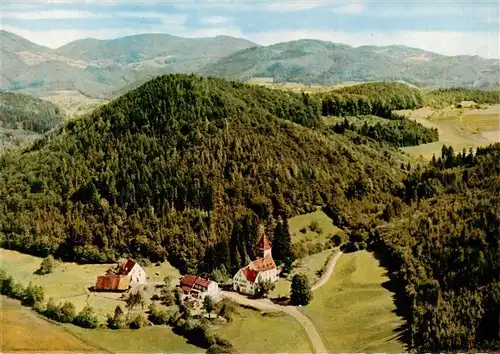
x: 444, y: 251
x: 18, y: 111
x: 178, y: 165
x: 319, y: 62
x: 24, y: 118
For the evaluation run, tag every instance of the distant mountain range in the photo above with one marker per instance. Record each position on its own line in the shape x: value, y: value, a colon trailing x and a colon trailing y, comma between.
x: 104, y: 68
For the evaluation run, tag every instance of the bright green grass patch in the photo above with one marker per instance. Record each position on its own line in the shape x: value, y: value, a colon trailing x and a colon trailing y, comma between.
x: 251, y: 332
x: 70, y: 281
x: 309, y: 266
x: 21, y: 329
x: 154, y: 339
x: 353, y: 311
x: 303, y: 221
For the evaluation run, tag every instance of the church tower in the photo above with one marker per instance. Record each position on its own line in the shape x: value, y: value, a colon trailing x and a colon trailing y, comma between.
x: 263, y: 246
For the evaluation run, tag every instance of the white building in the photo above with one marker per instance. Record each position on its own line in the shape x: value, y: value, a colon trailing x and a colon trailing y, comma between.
x: 263, y: 268
x: 198, y: 287
x: 134, y: 270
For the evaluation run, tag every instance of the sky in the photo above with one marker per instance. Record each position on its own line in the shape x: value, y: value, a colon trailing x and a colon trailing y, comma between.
x: 449, y: 27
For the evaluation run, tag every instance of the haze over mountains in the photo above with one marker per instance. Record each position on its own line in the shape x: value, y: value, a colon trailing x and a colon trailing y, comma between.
x: 103, y: 68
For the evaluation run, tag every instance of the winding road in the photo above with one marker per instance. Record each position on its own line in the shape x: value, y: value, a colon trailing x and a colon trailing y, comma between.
x: 267, y: 305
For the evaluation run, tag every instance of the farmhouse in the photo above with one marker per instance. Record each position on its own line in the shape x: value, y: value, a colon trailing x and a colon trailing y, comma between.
x: 126, y: 274
x: 198, y: 287
x: 263, y: 268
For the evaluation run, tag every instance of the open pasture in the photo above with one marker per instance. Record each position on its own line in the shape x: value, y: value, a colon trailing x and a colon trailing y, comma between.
x: 462, y: 128
x: 251, y: 332
x: 23, y: 330
x: 71, y: 281
x: 354, y: 311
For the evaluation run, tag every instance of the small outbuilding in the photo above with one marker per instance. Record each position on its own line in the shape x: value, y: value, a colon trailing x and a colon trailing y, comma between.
x: 112, y: 282
x: 198, y: 287
x: 126, y: 274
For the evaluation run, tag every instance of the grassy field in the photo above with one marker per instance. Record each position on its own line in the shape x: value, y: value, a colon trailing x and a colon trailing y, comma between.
x: 303, y: 221
x: 251, y: 332
x: 70, y: 281
x: 22, y: 330
x: 156, y: 339
x: 458, y: 127
x: 297, y: 87
x: 309, y: 266
x: 73, y: 103
x: 353, y: 311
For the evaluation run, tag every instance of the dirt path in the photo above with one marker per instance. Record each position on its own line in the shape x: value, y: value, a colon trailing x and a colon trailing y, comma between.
x: 328, y: 273
x: 310, y: 328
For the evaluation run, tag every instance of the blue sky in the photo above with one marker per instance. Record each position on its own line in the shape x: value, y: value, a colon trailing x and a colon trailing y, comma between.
x: 448, y: 27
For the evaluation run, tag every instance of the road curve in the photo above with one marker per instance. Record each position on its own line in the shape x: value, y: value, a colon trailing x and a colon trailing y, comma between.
x: 267, y: 305
x: 328, y: 272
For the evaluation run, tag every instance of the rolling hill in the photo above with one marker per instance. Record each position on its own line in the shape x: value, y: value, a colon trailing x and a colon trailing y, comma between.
x: 178, y: 165
x: 108, y: 68
x: 314, y: 61
x: 24, y: 118
x: 97, y: 68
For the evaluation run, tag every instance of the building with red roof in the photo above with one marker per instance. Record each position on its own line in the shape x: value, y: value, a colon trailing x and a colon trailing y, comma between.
x: 261, y: 269
x: 126, y: 274
x: 198, y: 287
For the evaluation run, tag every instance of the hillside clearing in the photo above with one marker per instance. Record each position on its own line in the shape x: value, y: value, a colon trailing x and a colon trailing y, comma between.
x: 309, y: 266
x: 304, y: 221
x: 21, y: 329
x: 462, y: 128
x: 251, y: 332
x: 353, y: 311
x: 71, y: 281
x: 144, y: 340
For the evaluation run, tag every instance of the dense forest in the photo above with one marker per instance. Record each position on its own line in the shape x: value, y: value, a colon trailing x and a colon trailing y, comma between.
x: 18, y: 111
x: 441, y: 98
x: 186, y: 168
x: 183, y: 167
x: 378, y: 99
x: 402, y: 132
x: 443, y: 250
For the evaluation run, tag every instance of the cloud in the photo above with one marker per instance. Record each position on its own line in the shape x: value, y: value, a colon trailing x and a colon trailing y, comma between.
x: 213, y: 20
x: 167, y: 19
x: 354, y: 7
x: 293, y: 5
x: 55, y: 38
x: 52, y: 15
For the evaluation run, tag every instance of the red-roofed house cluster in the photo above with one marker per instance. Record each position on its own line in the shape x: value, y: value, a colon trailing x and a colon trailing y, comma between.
x: 197, y: 287
x: 261, y: 269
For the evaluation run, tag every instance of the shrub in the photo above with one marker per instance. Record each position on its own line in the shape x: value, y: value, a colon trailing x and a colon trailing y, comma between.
x: 47, y: 265
x: 116, y: 321
x: 227, y: 309
x: 68, y: 312
x: 337, y: 240
x: 314, y: 227
x: 137, y: 321
x: 221, y: 346
x: 158, y: 316
x: 52, y: 311
x: 32, y: 295
x: 87, y: 318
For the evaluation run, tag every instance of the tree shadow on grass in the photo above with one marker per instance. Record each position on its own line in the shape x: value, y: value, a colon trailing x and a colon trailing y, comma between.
x: 400, y: 299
